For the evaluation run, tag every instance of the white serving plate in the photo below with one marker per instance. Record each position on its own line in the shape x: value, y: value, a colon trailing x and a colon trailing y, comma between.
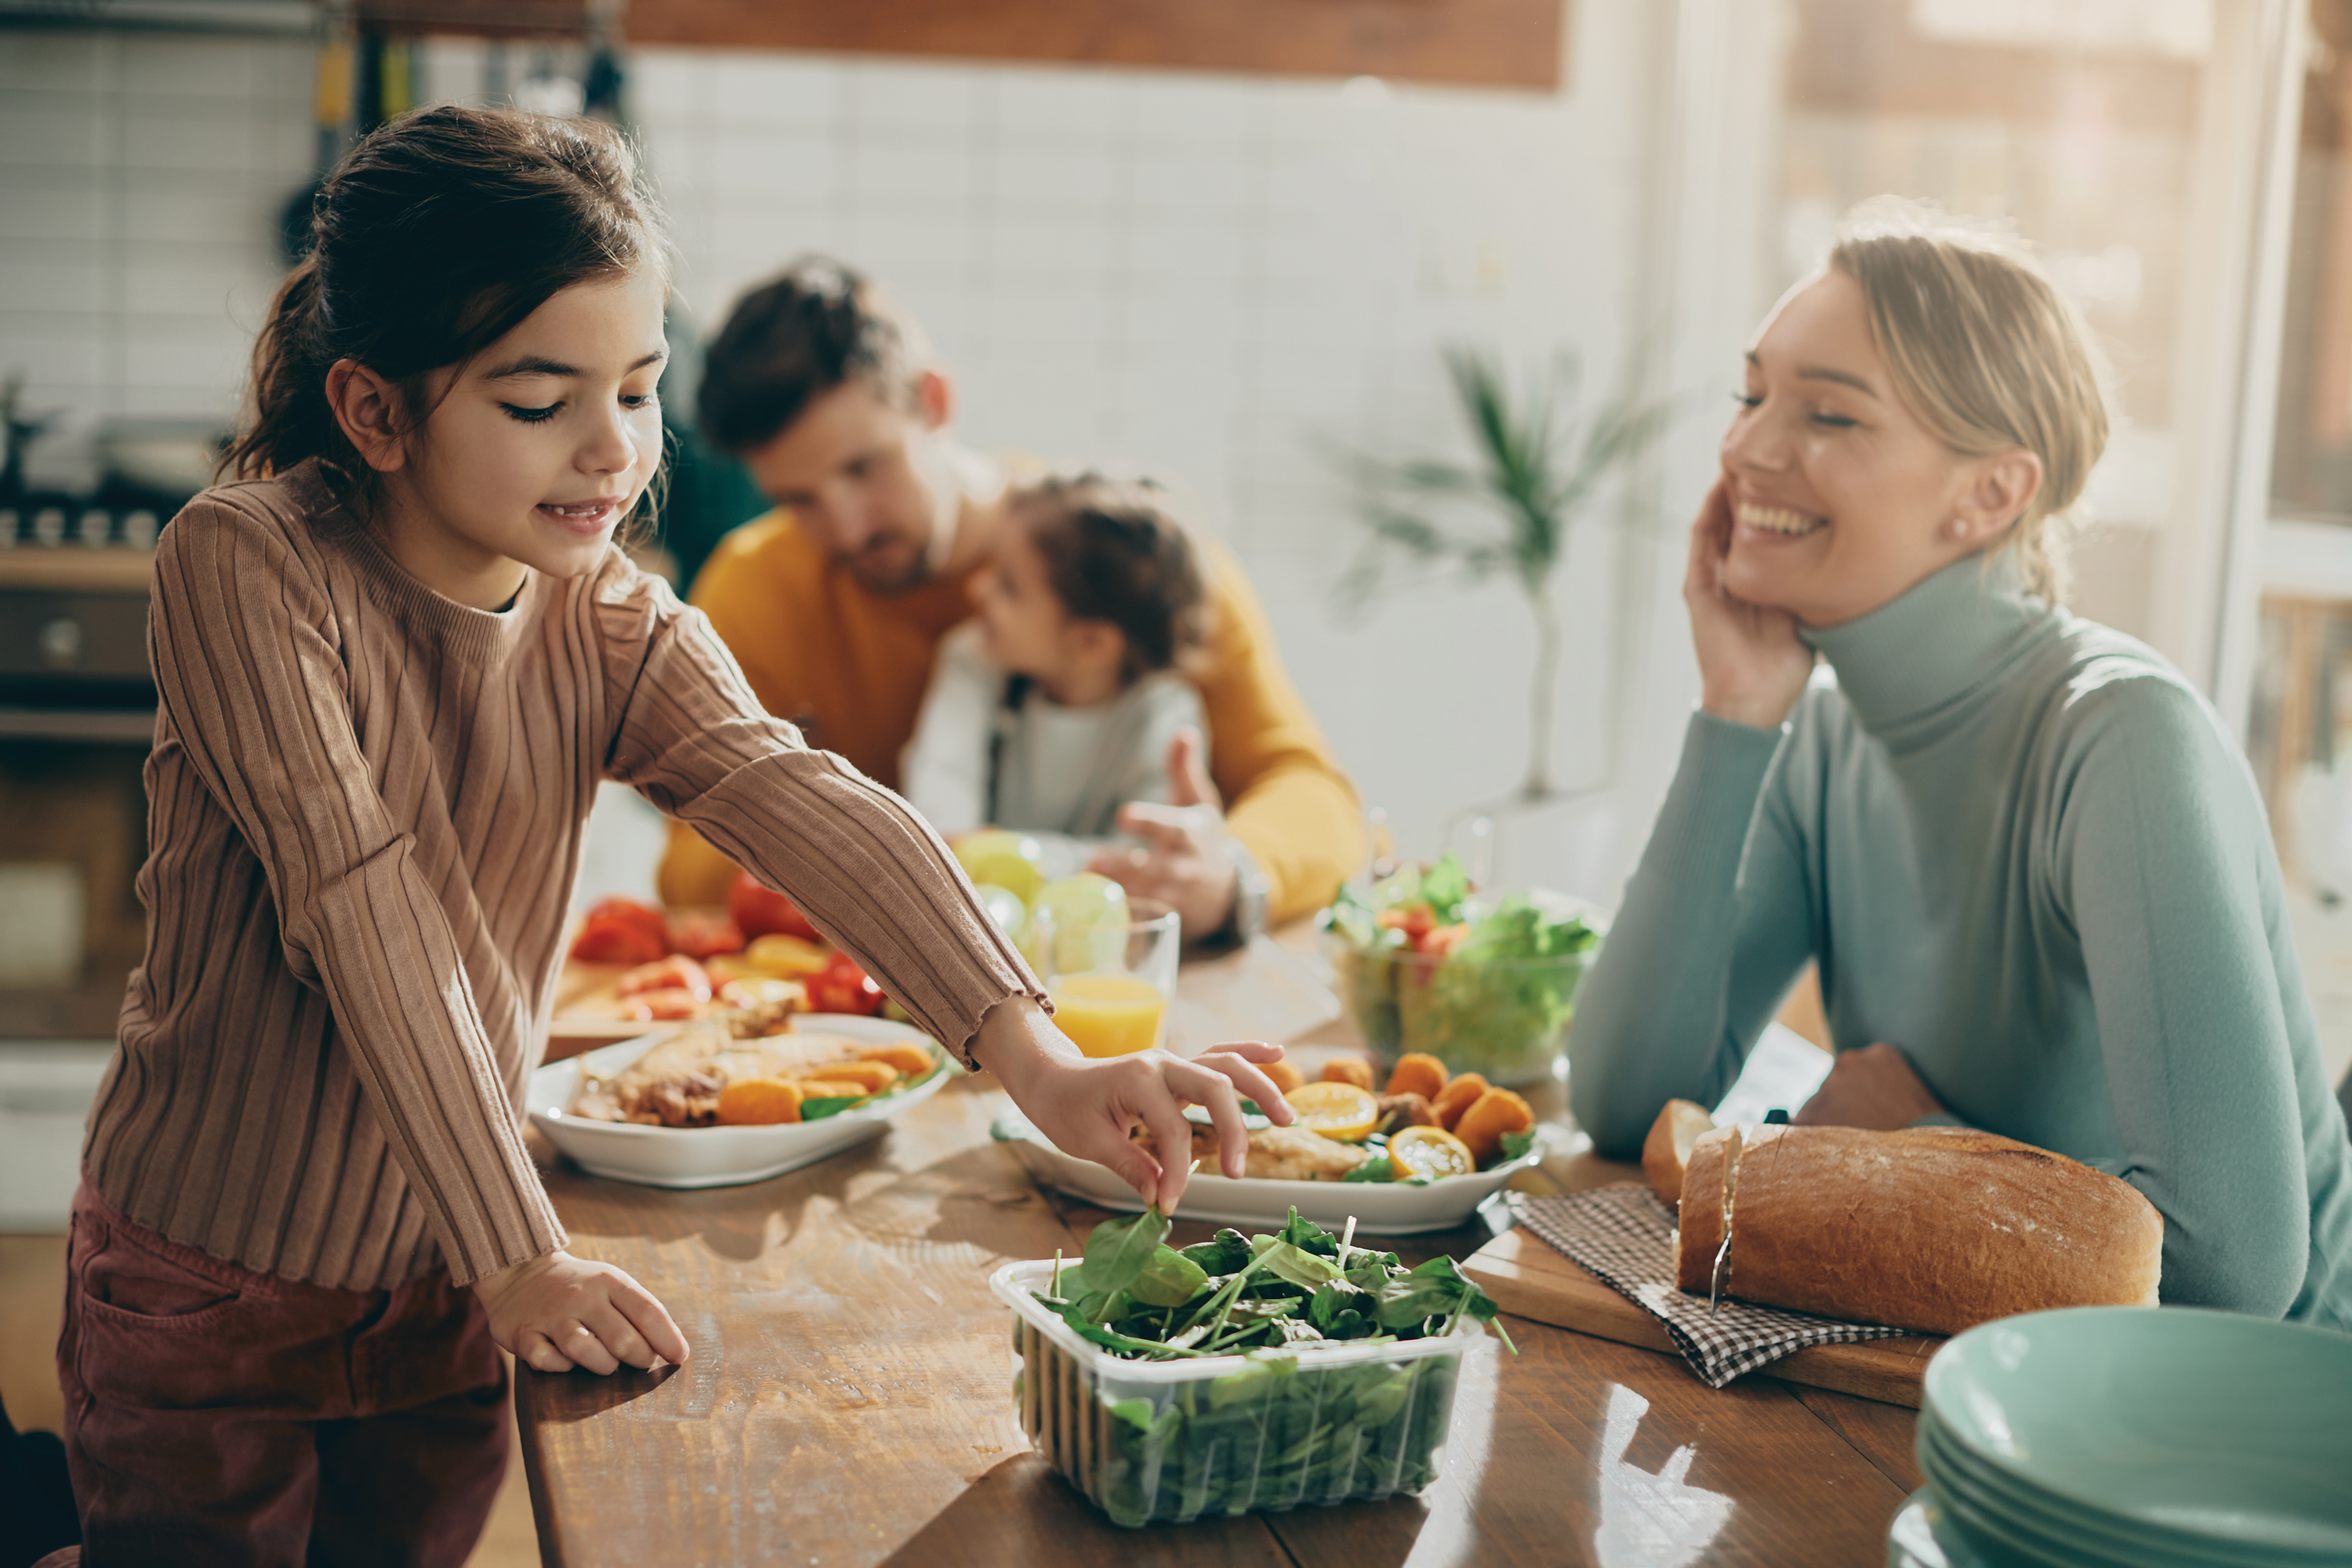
x: 714, y: 1156
x: 1385, y: 1209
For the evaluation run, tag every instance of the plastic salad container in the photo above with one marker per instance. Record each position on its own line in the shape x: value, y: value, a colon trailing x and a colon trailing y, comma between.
x: 1163, y: 1442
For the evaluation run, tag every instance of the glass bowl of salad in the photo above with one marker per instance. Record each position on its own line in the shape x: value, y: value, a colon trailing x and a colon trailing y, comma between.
x: 1486, y: 984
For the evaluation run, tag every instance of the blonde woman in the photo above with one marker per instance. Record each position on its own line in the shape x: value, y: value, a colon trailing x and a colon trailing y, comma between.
x: 2029, y: 859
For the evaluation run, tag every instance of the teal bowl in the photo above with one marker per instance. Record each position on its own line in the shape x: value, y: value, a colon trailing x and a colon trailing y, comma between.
x: 2228, y: 1436
x: 1922, y: 1537
x: 2005, y: 1522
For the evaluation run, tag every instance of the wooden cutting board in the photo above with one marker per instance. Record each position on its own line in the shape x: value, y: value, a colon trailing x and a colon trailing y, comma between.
x: 1529, y: 1279
x: 587, y: 1007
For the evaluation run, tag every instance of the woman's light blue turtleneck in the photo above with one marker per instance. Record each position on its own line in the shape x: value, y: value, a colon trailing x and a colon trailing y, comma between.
x: 2023, y: 851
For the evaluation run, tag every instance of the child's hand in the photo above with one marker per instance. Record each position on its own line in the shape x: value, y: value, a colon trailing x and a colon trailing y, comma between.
x: 558, y: 1312
x: 1088, y: 1106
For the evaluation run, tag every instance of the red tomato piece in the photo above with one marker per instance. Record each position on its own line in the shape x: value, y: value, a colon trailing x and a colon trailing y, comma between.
x: 1441, y: 941
x: 703, y: 934
x: 676, y: 972
x: 843, y: 987
x: 609, y: 940
x: 662, y: 1007
x: 646, y: 918
x: 757, y: 911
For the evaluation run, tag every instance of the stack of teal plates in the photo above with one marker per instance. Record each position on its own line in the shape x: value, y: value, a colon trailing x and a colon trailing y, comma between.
x: 2122, y: 1437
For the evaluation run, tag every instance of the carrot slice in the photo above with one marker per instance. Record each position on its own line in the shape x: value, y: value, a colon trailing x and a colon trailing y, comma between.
x: 1417, y: 1072
x: 1458, y: 1096
x: 1491, y: 1115
x: 871, y: 1078
x: 911, y: 1059
x: 758, y: 1103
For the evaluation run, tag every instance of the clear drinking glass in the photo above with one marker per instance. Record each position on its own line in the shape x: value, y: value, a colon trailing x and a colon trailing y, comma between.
x: 1112, y: 980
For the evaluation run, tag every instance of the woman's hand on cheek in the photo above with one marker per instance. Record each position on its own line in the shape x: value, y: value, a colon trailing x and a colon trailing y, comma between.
x: 1874, y: 1088
x: 1089, y: 1106
x: 1751, y: 665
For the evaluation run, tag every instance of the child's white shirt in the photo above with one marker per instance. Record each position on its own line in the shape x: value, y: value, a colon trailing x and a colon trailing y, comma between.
x: 1060, y: 772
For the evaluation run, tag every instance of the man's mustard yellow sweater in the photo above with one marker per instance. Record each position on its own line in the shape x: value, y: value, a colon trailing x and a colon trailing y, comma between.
x: 849, y: 667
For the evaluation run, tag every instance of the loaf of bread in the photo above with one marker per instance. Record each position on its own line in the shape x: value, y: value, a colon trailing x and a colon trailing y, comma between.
x: 1931, y: 1228
x: 1667, y: 1148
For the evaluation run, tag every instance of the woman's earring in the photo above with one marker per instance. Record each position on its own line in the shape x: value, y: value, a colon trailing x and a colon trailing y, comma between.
x: 1958, y: 528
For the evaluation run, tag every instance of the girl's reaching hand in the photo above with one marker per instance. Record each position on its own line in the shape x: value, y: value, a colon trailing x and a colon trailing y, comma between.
x: 1088, y: 1106
x: 558, y: 1312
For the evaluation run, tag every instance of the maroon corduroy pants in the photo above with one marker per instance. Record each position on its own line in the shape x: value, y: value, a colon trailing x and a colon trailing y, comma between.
x: 215, y: 1414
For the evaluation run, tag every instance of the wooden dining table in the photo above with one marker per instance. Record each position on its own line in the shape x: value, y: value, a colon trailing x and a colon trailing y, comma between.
x: 849, y: 1397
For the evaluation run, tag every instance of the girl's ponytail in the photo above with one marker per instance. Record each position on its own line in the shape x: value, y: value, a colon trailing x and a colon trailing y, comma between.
x: 286, y: 418
x: 431, y: 240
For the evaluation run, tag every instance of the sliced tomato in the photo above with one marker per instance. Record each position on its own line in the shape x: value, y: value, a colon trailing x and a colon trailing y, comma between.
x: 608, y: 939
x: 703, y: 934
x: 1439, y: 942
x: 676, y: 972
x: 759, y: 910
x: 1416, y: 921
x: 843, y: 987
x: 646, y: 918
x: 662, y: 1007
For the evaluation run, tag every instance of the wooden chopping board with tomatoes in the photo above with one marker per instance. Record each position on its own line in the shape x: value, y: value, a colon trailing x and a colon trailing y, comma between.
x: 632, y: 969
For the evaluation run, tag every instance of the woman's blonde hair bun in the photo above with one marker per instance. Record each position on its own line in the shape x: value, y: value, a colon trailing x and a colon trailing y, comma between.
x: 1987, y: 351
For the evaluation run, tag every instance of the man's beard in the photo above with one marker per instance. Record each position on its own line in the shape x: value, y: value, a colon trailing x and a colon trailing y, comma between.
x: 900, y: 569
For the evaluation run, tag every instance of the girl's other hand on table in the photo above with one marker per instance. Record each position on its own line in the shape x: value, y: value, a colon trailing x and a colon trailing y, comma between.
x: 1751, y: 665
x: 1088, y: 1106
x: 556, y: 1312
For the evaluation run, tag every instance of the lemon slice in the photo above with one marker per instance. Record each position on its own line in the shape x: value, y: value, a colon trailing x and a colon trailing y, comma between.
x: 1431, y: 1152
x: 1339, y: 1110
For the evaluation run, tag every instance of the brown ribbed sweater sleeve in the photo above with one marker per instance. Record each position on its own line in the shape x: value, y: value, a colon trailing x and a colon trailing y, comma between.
x: 253, y: 678
x: 866, y: 870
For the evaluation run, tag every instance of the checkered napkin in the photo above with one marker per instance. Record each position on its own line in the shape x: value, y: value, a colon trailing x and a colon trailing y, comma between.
x: 1626, y: 1236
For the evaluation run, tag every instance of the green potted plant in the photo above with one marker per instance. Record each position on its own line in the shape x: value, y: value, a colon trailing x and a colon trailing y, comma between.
x: 1538, y: 472
x: 1425, y: 961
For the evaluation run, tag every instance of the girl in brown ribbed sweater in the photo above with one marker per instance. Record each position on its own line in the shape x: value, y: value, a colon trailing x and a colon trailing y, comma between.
x: 393, y: 663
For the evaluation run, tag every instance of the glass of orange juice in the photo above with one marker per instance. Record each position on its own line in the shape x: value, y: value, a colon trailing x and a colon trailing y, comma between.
x: 1113, y: 981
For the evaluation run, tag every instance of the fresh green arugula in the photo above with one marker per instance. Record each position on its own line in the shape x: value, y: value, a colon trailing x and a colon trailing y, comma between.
x: 1267, y: 1434
x: 1233, y: 1293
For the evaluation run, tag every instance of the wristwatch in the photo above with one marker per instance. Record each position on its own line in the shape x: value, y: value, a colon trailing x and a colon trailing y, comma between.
x: 1250, y: 889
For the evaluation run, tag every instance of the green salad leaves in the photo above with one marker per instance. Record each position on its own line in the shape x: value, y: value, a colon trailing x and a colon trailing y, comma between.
x: 1429, y: 966
x: 1270, y: 1433
x: 1135, y: 1294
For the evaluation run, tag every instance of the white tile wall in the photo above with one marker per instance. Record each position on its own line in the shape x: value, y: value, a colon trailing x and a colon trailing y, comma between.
x: 140, y: 179
x: 1201, y: 276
